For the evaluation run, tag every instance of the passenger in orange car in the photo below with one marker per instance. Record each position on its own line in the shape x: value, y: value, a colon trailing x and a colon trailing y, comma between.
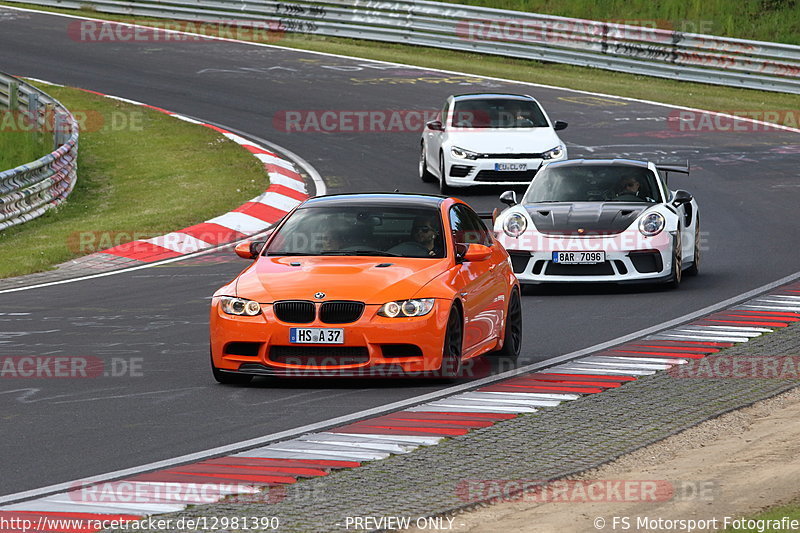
x: 331, y: 240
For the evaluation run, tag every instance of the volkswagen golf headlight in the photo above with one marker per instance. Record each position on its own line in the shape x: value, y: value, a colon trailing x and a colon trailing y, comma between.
x: 460, y: 153
x: 554, y: 153
x: 239, y: 306
x: 515, y: 224
x: 652, y: 224
x: 407, y: 308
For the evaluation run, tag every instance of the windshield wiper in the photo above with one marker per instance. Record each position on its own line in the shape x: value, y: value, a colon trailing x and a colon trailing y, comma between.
x: 290, y: 253
x: 361, y: 252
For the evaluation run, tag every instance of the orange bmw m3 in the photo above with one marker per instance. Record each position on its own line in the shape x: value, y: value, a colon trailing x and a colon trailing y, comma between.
x: 367, y: 285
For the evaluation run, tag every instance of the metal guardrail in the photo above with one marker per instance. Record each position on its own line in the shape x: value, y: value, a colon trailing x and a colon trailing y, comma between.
x: 619, y: 47
x: 29, y: 190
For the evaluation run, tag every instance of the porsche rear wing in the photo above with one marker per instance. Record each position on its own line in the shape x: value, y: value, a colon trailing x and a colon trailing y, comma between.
x: 667, y: 168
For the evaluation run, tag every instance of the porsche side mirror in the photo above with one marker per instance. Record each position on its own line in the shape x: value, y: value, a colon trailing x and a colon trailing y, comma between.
x: 477, y: 252
x: 249, y: 249
x: 509, y: 198
x: 681, y: 197
x: 435, y: 125
x: 560, y: 125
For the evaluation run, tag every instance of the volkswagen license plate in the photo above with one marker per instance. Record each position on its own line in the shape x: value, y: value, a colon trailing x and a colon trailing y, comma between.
x: 503, y: 167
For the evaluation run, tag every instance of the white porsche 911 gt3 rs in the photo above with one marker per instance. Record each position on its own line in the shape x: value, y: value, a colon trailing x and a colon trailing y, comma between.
x: 601, y: 220
x: 488, y: 139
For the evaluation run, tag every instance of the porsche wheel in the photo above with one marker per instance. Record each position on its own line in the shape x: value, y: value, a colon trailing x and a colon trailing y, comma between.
x: 453, y: 341
x: 443, y: 187
x: 677, y: 263
x: 229, y: 378
x: 695, y: 268
x: 424, y: 174
x: 512, y: 338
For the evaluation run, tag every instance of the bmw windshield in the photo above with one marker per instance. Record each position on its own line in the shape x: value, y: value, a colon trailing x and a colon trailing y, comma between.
x: 361, y: 231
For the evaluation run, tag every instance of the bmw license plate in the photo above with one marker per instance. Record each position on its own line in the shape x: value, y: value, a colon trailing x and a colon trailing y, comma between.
x: 579, y: 258
x: 316, y: 335
x: 510, y: 166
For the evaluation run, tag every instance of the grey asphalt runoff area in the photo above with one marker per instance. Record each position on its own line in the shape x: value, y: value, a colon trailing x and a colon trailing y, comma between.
x: 550, y: 444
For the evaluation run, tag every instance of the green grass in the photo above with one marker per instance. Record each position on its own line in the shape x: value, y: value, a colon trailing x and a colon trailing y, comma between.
x: 709, y: 97
x: 762, y: 20
x: 791, y: 511
x: 141, y: 173
x: 20, y: 147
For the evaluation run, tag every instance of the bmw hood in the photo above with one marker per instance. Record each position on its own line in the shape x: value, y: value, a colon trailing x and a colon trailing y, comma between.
x: 373, y: 280
x: 584, y: 218
x: 511, y: 141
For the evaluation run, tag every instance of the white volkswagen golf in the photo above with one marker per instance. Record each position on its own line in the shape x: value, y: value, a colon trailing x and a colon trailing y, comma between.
x: 488, y: 139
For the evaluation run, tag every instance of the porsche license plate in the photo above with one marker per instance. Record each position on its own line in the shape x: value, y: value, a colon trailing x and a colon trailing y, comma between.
x: 316, y: 335
x: 504, y: 167
x: 579, y: 258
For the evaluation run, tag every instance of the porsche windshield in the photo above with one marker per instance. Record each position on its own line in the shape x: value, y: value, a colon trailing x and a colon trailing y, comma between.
x: 360, y: 230
x: 593, y: 183
x: 498, y: 113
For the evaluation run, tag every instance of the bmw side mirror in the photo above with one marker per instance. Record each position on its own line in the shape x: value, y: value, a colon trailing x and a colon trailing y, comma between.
x: 681, y: 197
x: 560, y: 125
x: 509, y: 198
x: 249, y: 249
x: 477, y: 252
x: 435, y: 125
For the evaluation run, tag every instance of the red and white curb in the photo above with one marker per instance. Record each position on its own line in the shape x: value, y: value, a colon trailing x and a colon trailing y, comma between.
x: 255, y: 474
x: 287, y: 189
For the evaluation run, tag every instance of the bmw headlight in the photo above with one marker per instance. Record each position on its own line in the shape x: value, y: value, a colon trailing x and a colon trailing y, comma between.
x: 515, y: 224
x: 652, y: 224
x: 554, y: 153
x: 460, y: 153
x: 239, y: 306
x: 406, y: 308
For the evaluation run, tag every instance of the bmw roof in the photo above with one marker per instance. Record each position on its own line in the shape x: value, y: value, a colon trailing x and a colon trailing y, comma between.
x: 394, y: 198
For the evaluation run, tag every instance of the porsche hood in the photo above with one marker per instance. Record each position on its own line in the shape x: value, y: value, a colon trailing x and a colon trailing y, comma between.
x: 582, y: 218
x: 373, y: 280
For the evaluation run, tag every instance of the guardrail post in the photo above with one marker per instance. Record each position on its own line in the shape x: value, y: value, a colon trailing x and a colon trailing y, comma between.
x: 60, y: 130
x: 33, y: 114
x: 13, y: 95
x: 33, y: 105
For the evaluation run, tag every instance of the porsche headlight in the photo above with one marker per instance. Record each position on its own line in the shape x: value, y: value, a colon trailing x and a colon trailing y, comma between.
x: 554, y: 153
x: 652, y: 224
x: 406, y: 308
x: 239, y: 306
x: 460, y: 153
x: 515, y: 224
